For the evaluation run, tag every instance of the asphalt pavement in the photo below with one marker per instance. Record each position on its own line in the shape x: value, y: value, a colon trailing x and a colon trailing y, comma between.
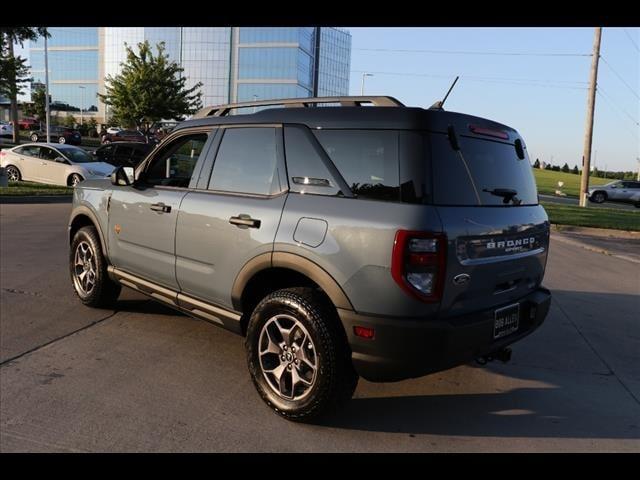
x: 145, y: 378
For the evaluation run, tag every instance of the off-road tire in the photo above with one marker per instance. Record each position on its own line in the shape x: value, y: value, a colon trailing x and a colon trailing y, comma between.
x: 105, y: 291
x: 335, y: 378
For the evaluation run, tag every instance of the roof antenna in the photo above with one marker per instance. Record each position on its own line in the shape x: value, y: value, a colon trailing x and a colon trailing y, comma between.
x: 438, y: 105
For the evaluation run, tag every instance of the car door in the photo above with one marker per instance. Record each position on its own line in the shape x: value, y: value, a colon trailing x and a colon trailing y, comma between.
x: 29, y: 162
x: 142, y: 217
x: 52, y: 171
x: 234, y: 213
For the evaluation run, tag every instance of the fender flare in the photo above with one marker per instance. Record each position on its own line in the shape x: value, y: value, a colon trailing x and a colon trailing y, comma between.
x: 294, y: 262
x: 86, y: 211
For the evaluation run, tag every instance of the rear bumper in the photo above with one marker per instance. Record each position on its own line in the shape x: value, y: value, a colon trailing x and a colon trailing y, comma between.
x: 407, y: 348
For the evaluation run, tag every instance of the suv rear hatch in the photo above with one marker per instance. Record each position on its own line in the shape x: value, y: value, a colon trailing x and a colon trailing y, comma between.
x: 497, y: 233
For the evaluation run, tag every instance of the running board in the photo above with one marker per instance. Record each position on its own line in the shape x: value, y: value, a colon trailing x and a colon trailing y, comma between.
x: 228, y: 319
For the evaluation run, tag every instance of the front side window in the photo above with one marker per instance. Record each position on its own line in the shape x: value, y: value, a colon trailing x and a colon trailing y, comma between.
x: 77, y: 155
x: 247, y: 162
x: 48, y: 154
x: 367, y: 160
x: 174, y: 163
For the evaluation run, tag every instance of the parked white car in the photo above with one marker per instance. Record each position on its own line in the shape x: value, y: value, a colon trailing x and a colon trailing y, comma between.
x: 6, y: 129
x: 52, y: 163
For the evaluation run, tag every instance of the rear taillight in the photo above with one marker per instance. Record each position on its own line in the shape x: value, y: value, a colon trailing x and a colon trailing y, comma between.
x: 418, y: 263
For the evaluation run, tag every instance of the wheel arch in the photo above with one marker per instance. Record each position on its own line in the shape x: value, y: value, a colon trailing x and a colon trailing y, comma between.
x: 83, y: 217
x: 269, y: 272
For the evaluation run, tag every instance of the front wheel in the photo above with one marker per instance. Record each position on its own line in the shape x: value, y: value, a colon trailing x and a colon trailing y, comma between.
x: 62, y: 140
x: 74, y: 180
x: 298, y: 355
x: 34, y: 138
x: 88, y: 269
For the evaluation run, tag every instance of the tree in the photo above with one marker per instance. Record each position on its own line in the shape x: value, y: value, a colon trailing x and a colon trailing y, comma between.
x: 547, y: 166
x: 575, y: 170
x: 69, y: 121
x: 565, y: 168
x: 37, y: 106
x: 536, y: 164
x: 13, y: 70
x: 149, y: 88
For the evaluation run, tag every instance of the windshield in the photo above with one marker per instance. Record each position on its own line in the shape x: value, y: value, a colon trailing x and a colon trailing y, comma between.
x: 77, y: 155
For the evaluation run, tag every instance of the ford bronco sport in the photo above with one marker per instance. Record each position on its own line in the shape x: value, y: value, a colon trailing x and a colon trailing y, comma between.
x: 351, y: 240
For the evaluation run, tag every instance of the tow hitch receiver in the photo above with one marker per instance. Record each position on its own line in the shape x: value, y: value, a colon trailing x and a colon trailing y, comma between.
x: 504, y: 355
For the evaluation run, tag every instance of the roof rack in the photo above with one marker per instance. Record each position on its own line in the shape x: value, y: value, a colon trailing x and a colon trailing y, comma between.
x: 356, y: 101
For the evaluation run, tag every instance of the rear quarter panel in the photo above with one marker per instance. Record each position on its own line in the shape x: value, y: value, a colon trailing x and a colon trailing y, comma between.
x: 356, y: 249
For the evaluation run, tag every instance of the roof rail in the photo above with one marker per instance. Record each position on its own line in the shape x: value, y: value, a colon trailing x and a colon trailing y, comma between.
x: 223, y: 110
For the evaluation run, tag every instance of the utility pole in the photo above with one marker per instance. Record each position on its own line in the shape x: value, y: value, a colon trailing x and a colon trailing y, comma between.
x: 591, y: 103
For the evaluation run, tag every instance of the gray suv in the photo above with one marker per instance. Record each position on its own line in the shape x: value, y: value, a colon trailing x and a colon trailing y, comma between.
x: 363, y: 238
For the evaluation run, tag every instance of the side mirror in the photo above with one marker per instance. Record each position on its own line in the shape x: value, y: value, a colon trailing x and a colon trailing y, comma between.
x: 61, y: 160
x: 122, y: 176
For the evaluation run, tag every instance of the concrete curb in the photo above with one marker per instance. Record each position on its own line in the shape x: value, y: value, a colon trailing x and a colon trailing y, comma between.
x: 13, y: 199
x: 596, y: 232
x: 591, y: 248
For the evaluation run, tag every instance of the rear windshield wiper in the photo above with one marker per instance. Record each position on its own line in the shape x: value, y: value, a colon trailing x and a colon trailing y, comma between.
x: 508, y: 194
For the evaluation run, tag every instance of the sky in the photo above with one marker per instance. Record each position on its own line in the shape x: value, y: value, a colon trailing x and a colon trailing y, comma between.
x: 543, y: 97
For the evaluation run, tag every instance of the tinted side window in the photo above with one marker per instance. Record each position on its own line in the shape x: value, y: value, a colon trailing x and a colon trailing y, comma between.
x: 305, y: 166
x: 367, y: 159
x: 31, y: 151
x: 247, y: 162
x: 174, y: 163
x: 48, y: 153
x: 138, y: 155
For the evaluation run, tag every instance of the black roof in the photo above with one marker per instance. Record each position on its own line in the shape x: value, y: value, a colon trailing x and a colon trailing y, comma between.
x: 401, y: 118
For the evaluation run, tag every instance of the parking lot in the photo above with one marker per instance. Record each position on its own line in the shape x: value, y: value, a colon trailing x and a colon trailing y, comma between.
x: 145, y: 378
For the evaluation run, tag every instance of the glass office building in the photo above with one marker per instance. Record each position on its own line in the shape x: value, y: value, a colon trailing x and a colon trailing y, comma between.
x: 74, y: 69
x: 234, y: 64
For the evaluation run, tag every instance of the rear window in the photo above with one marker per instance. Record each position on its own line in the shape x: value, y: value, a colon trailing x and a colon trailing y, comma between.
x: 367, y: 160
x: 481, y: 166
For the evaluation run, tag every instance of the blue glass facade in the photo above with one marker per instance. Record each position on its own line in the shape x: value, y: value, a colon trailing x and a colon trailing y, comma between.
x: 234, y: 64
x: 74, y: 68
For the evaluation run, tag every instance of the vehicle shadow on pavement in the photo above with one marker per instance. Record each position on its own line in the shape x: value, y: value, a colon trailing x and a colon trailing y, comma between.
x: 520, y: 412
x: 576, y: 377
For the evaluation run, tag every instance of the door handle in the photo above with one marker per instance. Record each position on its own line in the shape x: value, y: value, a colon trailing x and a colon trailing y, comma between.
x: 244, y: 220
x: 160, y: 207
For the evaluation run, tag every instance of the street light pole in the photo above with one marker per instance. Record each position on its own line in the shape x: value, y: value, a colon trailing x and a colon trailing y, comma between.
x: 362, y: 86
x: 81, y: 87
x: 46, y: 87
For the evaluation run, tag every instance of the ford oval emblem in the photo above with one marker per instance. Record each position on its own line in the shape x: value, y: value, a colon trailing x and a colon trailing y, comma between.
x: 461, y: 279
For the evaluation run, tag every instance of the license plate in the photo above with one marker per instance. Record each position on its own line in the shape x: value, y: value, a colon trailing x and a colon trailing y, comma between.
x: 506, y: 320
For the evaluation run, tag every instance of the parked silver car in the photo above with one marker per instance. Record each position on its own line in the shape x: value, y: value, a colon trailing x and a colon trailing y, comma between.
x: 624, y: 191
x: 52, y: 163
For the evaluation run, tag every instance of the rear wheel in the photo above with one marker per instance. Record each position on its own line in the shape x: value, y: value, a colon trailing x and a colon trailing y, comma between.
x: 298, y: 355
x: 13, y: 174
x: 88, y: 269
x: 62, y: 140
x: 34, y: 138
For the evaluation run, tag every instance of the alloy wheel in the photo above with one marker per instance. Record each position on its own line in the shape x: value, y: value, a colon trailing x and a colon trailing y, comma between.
x: 84, y: 268
x: 288, y: 358
x: 12, y: 174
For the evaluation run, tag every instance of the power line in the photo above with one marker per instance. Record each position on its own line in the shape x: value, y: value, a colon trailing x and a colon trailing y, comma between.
x: 501, y: 80
x: 462, y: 52
x: 619, y: 77
x: 631, y: 40
x: 633, y: 134
x: 604, y: 94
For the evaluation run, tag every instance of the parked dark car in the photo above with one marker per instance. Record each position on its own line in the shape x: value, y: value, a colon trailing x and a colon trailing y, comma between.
x: 123, y: 154
x: 124, y: 136
x: 57, y: 135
